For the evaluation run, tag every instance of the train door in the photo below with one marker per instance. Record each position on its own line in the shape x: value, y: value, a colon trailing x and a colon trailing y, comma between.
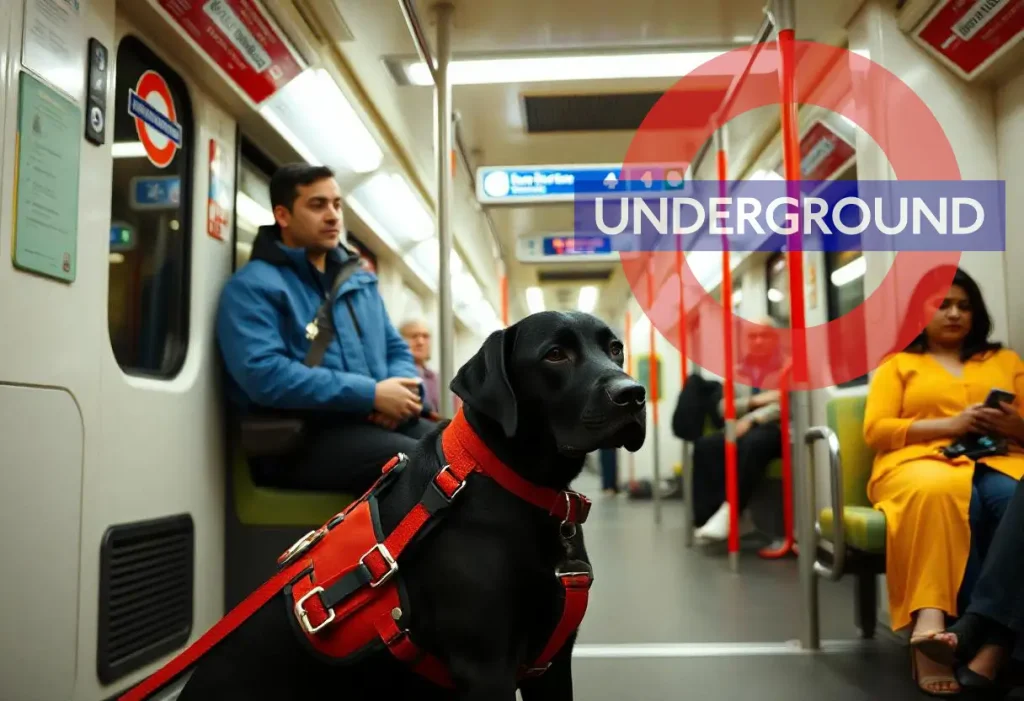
x: 152, y: 568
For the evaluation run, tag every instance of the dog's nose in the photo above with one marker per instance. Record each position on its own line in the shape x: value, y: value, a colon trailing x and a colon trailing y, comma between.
x: 625, y: 392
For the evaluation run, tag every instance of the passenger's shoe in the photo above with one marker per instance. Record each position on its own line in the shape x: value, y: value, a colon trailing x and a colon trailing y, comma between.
x: 717, y: 527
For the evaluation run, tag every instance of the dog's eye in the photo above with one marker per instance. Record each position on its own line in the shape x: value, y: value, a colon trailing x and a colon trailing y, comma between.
x: 615, y: 348
x: 556, y: 355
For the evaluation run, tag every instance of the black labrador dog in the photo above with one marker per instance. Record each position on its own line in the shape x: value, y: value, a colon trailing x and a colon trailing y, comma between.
x: 481, y: 587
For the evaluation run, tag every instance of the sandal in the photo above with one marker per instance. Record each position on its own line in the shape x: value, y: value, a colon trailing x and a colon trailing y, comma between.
x: 971, y: 632
x: 924, y: 682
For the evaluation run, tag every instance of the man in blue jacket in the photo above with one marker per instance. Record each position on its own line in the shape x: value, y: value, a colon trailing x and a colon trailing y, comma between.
x: 362, y: 403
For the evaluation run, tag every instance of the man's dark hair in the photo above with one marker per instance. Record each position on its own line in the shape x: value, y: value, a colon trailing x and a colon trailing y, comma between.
x: 284, y: 186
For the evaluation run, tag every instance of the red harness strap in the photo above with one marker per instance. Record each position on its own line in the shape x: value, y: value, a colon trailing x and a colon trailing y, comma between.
x: 339, y: 575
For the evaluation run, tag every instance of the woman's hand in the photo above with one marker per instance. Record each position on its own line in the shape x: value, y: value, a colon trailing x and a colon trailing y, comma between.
x: 966, y: 421
x: 1004, y: 422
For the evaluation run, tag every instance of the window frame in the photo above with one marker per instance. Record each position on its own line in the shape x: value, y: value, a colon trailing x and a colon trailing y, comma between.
x: 832, y: 308
x: 247, y: 150
x: 768, y: 265
x: 185, y: 115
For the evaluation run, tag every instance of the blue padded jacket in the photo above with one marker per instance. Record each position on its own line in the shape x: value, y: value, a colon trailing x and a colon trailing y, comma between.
x: 261, y: 333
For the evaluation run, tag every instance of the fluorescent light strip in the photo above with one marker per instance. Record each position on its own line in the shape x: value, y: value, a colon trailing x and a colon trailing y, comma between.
x: 556, y: 68
x: 313, y: 105
x: 851, y: 271
x: 252, y: 212
x: 127, y: 149
x: 588, y: 299
x: 534, y: 299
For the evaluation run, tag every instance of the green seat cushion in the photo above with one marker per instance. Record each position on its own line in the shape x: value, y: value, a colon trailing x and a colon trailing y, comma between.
x: 865, y: 528
x: 265, y: 506
x: 775, y: 469
x: 846, y: 418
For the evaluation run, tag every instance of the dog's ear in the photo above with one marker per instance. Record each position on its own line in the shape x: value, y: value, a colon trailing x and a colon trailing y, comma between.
x: 482, y: 383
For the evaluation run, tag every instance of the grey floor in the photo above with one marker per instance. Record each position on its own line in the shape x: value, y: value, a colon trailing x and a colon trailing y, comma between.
x: 667, y: 622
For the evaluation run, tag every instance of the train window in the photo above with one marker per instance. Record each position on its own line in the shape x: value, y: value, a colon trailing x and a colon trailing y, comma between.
x: 777, y: 273
x: 252, y: 200
x: 151, y: 217
x: 737, y: 295
x: 844, y: 273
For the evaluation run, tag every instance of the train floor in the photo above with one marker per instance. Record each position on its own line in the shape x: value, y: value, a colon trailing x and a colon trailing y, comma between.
x: 667, y: 622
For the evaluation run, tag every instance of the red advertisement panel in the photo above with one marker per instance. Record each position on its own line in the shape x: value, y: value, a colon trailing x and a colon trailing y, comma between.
x: 970, y: 33
x: 239, y: 37
x: 822, y: 153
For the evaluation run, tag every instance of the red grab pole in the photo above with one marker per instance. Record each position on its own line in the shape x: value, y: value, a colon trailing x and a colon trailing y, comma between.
x: 653, y: 375
x: 731, y: 477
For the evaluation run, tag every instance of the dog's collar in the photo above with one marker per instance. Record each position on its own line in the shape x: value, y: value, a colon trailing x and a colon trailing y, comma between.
x: 462, y: 445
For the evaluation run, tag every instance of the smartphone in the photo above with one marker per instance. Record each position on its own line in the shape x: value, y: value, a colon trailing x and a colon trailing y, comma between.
x: 999, y: 395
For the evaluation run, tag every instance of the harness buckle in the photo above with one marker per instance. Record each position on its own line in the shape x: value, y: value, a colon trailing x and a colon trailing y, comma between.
x: 531, y: 672
x: 437, y: 483
x: 381, y: 550
x: 300, y: 546
x: 303, y: 615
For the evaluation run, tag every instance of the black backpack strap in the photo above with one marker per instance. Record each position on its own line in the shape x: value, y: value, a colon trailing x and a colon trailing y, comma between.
x: 322, y: 327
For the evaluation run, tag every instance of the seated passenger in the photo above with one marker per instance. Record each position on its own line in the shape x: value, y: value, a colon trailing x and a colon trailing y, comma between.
x: 417, y: 335
x: 758, y: 434
x: 361, y: 404
x: 940, y: 510
x: 993, y: 623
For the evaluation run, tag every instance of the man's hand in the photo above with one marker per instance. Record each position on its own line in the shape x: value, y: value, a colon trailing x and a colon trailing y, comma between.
x: 398, y: 398
x: 383, y: 421
x: 742, y: 426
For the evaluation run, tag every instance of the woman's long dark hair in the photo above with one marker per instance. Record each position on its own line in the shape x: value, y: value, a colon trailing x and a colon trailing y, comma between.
x: 976, y: 341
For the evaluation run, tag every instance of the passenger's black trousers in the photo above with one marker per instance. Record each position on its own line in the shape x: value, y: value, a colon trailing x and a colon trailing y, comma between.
x: 697, y: 403
x: 754, y: 450
x: 344, y: 457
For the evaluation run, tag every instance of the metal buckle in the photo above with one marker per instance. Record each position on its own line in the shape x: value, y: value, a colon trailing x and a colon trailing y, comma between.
x: 536, y: 671
x: 393, y: 566
x: 462, y: 484
x: 303, y: 615
x: 566, y: 528
x: 301, y: 545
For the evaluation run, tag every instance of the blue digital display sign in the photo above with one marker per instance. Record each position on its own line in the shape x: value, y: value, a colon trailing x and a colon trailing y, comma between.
x: 526, y: 184
x: 576, y: 245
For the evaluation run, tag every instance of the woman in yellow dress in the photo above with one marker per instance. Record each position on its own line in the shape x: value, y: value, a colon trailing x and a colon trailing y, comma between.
x: 941, y: 511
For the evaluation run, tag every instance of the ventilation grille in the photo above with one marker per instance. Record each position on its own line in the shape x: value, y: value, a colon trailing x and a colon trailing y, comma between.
x: 677, y: 109
x: 145, y: 593
x: 610, y: 111
x: 584, y: 276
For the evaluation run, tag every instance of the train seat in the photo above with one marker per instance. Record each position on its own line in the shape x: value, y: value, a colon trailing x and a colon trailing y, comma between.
x: 265, y: 506
x: 263, y: 522
x: 859, y: 548
x: 864, y: 525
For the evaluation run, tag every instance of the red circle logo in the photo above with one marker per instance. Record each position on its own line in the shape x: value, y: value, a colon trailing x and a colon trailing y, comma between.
x: 152, y: 106
x: 888, y: 111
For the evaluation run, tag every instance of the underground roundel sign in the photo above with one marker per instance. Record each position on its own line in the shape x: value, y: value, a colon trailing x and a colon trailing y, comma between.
x: 152, y: 106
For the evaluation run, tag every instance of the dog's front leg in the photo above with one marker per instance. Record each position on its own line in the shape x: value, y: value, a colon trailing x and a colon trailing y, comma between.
x: 556, y: 683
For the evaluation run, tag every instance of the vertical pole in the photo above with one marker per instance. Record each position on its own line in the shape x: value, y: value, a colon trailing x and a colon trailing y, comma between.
x: 653, y: 379
x: 628, y: 342
x: 685, y: 482
x: 443, y: 104
x: 785, y: 21
x: 504, y: 295
x: 729, y: 390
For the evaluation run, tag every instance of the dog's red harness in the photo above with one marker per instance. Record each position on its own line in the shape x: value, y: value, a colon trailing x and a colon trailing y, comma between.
x: 341, y: 578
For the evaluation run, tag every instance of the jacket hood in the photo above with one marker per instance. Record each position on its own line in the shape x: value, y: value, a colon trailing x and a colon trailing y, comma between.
x: 269, y: 247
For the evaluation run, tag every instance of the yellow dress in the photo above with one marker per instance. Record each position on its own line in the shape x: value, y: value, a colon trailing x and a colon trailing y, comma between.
x: 925, y: 496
